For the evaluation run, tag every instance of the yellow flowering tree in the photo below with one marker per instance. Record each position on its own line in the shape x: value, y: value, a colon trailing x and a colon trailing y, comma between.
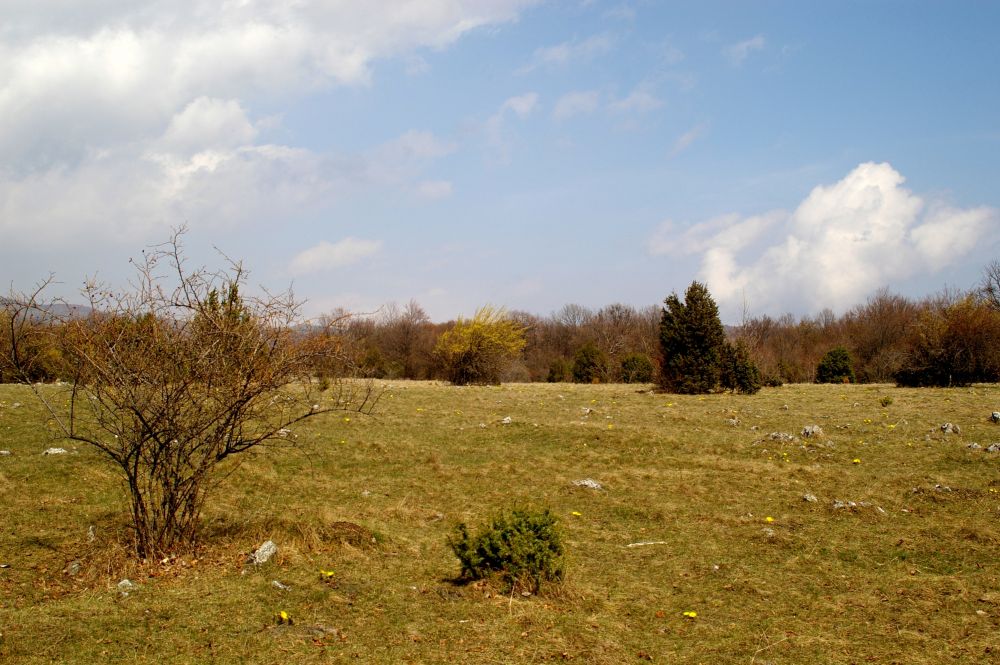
x: 480, y: 349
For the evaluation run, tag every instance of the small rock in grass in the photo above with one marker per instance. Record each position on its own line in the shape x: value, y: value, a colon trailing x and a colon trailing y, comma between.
x: 781, y: 436
x: 769, y: 532
x: 589, y: 483
x: 91, y: 534
x: 506, y: 421
x: 811, y: 498
x: 73, y: 569
x: 995, y: 416
x: 5, y: 453
x: 993, y: 448
x: 842, y: 505
x: 735, y: 422
x: 974, y: 446
x: 126, y: 586
x: 949, y: 428
x: 55, y: 451
x: 278, y: 585
x: 263, y: 553
x: 812, y: 430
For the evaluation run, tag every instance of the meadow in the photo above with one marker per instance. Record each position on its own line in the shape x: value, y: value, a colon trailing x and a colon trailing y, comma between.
x: 710, y: 541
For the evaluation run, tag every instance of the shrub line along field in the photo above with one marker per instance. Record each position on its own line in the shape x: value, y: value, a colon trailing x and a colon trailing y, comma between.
x: 703, y: 544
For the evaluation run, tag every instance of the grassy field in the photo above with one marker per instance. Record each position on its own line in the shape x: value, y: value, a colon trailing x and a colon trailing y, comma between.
x: 907, y: 574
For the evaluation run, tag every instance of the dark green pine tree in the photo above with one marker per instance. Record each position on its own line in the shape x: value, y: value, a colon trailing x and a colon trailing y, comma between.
x: 692, y: 340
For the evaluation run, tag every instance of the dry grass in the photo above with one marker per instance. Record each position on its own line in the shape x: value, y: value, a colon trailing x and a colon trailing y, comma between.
x: 907, y: 575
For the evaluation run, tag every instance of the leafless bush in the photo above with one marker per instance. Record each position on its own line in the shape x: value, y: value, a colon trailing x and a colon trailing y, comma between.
x: 178, y: 374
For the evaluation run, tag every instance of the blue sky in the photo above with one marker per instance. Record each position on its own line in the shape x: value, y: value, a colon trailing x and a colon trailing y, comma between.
x: 794, y: 155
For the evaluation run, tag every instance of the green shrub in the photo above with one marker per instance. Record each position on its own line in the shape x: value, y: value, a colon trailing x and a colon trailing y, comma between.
x: 522, y: 548
x: 835, y: 367
x: 885, y: 401
x: 637, y: 368
x: 590, y: 365
x: 738, y: 372
x: 560, y: 370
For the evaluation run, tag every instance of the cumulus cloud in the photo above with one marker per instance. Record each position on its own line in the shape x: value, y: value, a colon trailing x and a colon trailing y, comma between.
x: 841, y: 243
x: 116, y: 112
x: 576, y: 103
x: 738, y: 53
x: 329, y: 256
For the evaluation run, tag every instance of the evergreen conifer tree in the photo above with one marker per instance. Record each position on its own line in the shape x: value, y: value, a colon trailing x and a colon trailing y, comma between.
x: 692, y: 341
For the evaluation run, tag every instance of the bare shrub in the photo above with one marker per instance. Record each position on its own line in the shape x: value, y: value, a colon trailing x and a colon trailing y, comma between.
x: 179, y: 374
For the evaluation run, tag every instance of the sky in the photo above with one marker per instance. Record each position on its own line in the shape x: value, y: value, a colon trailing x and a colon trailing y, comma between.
x: 793, y: 155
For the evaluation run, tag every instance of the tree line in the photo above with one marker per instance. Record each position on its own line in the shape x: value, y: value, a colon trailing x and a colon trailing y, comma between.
x: 949, y: 338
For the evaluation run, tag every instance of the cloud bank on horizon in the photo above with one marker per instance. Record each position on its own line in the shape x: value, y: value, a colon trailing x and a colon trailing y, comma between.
x: 460, y: 151
x: 840, y: 243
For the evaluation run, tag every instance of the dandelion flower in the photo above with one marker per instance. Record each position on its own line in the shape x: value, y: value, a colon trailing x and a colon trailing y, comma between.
x: 691, y: 614
x: 577, y: 514
x: 855, y: 461
x: 768, y: 519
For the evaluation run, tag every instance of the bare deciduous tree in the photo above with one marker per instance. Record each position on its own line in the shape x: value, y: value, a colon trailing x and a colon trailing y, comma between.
x: 179, y: 374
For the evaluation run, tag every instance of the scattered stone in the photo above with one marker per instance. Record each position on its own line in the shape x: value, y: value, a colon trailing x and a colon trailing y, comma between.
x: 812, y: 430
x: 974, y: 446
x: 995, y: 416
x: 91, y: 534
x: 811, y: 498
x: 482, y: 425
x: 644, y: 543
x: 55, y: 451
x: 949, y: 428
x: 506, y: 421
x: 589, y: 483
x: 15, y: 405
x: 284, y: 432
x: 5, y: 453
x: 993, y: 448
x: 126, y: 586
x: 73, y: 569
x: 769, y: 532
x: 942, y: 488
x: 735, y: 422
x: 784, y: 407
x: 587, y: 410
x: 781, y: 436
x: 278, y: 585
x: 263, y: 553
x: 842, y: 505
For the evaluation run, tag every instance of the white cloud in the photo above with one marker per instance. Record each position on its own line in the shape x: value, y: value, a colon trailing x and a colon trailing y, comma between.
x: 569, y: 52
x: 576, y: 103
x: 522, y: 105
x: 841, y: 243
x: 639, y: 100
x: 123, y: 116
x: 495, y: 127
x: 434, y: 190
x: 329, y: 256
x: 738, y: 53
x: 685, y: 140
